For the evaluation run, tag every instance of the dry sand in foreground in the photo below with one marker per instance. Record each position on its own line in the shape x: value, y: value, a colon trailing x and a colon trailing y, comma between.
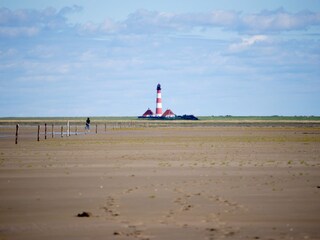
x: 163, y: 183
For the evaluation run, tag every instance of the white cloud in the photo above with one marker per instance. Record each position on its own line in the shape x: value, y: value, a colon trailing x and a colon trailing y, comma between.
x: 109, y: 25
x: 89, y: 27
x: 18, y: 31
x: 223, y: 18
x: 144, y: 21
x: 247, y: 42
x: 279, y: 20
x: 31, y: 22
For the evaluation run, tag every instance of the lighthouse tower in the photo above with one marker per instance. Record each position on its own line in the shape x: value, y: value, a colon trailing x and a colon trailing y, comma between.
x: 159, y: 102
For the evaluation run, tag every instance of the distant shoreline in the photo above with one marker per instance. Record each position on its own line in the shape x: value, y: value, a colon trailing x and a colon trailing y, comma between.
x: 203, y: 118
x: 205, y: 121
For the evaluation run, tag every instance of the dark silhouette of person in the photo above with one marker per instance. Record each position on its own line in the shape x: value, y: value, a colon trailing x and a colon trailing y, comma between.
x: 88, y: 124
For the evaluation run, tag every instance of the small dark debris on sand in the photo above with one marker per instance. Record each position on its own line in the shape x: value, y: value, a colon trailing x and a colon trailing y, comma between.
x: 211, y: 229
x: 84, y: 214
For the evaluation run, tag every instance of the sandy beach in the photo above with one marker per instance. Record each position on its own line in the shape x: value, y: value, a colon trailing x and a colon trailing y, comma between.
x: 223, y: 182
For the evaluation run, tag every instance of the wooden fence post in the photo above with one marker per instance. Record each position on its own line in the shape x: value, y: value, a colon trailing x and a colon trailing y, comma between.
x: 17, y: 133
x: 45, y: 131
x: 76, y: 131
x: 61, y: 131
x: 105, y: 127
x: 52, y: 131
x: 96, y: 128
x: 38, y: 133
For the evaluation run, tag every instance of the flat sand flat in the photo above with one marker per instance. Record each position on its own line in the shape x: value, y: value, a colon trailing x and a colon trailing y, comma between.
x: 223, y: 182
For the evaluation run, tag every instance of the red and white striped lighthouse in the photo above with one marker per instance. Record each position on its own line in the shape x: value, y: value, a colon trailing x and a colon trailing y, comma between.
x: 159, y: 102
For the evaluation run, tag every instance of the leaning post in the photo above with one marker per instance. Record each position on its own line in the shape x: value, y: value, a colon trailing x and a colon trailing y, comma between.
x: 17, y: 133
x: 45, y: 131
x: 38, y: 139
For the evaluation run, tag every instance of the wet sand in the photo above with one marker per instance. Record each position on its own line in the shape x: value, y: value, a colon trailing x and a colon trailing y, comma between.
x: 163, y: 183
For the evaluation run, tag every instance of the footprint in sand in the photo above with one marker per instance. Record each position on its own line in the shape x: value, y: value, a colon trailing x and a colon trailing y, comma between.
x: 212, y: 232
x: 132, y: 231
x: 187, y: 207
x: 110, y: 209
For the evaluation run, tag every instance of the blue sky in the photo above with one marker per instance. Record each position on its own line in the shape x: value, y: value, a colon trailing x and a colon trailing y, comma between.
x: 105, y: 58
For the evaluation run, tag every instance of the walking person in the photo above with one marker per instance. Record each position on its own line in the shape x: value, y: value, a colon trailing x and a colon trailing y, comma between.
x: 87, y: 128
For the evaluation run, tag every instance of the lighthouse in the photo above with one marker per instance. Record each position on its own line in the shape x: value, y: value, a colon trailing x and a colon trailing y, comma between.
x: 168, y: 114
x: 159, y: 102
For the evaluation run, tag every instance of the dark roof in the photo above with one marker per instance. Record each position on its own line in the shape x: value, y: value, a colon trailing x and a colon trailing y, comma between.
x: 167, y: 112
x: 147, y: 113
